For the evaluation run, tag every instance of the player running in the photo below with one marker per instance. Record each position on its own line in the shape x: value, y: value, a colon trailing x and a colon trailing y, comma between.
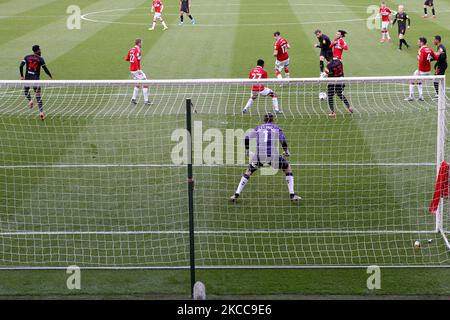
x: 280, y: 52
x: 441, y: 63
x: 401, y: 16
x: 339, y: 45
x: 428, y: 4
x: 185, y: 7
x: 335, y: 69
x: 33, y: 63
x: 267, y: 136
x: 425, y: 56
x: 157, y: 8
x: 259, y: 90
x: 134, y: 56
x: 385, y: 14
x: 325, y: 51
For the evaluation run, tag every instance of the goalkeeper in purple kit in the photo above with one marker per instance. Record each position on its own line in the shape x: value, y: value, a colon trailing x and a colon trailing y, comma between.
x: 267, y: 136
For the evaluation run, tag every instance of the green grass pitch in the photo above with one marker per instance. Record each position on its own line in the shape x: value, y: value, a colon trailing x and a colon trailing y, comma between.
x: 226, y: 41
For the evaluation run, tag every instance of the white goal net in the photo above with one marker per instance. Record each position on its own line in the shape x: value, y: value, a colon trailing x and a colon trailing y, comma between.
x: 102, y: 183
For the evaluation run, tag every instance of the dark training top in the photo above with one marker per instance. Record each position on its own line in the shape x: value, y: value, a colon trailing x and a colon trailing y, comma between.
x: 402, y: 17
x: 442, y: 59
x: 33, y: 63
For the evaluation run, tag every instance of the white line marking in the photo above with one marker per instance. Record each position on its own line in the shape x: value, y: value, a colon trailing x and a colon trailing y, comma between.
x: 152, y: 165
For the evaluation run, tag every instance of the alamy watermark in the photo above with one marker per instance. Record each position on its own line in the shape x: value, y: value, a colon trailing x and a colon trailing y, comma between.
x: 74, y: 280
x: 73, y: 22
x: 374, y: 280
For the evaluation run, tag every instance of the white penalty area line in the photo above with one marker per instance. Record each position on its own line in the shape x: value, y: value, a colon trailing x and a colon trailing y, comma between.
x: 151, y: 165
x: 218, y: 232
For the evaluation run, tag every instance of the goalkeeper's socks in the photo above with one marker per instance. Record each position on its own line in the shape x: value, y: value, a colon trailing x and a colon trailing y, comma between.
x: 190, y: 17
x: 425, y: 11
x: 181, y: 19
x: 433, y: 12
x: 242, y: 184
x: 290, y: 182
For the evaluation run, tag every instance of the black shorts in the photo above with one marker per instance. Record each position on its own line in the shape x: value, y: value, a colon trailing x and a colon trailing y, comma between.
x: 32, y: 77
x: 335, y: 88
x: 428, y: 3
x: 401, y: 30
x: 440, y: 70
x: 282, y: 164
x: 328, y: 54
x: 184, y: 8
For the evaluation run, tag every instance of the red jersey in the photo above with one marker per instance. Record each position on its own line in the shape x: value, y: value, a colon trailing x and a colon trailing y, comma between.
x: 425, y: 56
x: 157, y: 4
x: 338, y: 46
x: 257, y: 73
x: 134, y: 56
x: 281, y: 46
x: 385, y: 13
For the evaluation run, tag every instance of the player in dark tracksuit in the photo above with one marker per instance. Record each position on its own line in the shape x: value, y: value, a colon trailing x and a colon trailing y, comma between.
x: 441, y: 62
x: 402, y: 17
x: 33, y: 64
x: 324, y: 44
x: 335, y: 69
x: 185, y: 7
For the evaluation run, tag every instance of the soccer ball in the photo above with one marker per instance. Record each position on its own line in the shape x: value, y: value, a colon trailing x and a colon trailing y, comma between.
x: 322, y: 96
x: 417, y: 244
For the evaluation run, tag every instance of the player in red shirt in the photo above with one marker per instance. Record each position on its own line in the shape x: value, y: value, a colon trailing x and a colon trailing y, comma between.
x: 385, y: 14
x: 157, y: 8
x: 339, y: 45
x: 259, y: 73
x: 134, y: 57
x: 280, y: 53
x: 425, y: 56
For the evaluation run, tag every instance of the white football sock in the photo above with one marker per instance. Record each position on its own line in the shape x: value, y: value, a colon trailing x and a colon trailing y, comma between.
x: 420, y: 88
x: 249, y: 103
x: 290, y: 182
x: 241, y: 185
x: 135, y: 93
x: 164, y: 24
x: 411, y: 90
x: 275, y: 103
x: 145, y: 91
x: 287, y: 75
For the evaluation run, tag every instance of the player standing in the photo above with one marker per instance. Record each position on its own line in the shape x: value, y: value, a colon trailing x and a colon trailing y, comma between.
x: 325, y: 51
x: 441, y: 63
x: 185, y: 7
x: 401, y: 16
x: 259, y: 73
x: 335, y: 69
x: 425, y: 56
x: 339, y: 45
x: 134, y: 56
x: 281, y: 54
x: 157, y: 8
x: 385, y: 13
x: 428, y: 4
x: 33, y: 63
x: 267, y: 136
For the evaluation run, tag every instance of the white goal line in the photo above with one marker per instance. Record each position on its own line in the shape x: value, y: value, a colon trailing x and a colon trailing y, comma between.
x: 150, y: 165
x: 217, y: 232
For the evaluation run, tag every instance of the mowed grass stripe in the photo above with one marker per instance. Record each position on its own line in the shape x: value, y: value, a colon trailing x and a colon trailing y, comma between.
x: 12, y: 8
x: 193, y: 51
x: 60, y: 42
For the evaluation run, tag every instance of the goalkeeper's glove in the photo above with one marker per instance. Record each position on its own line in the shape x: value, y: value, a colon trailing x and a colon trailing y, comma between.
x: 286, y: 153
x: 323, y: 74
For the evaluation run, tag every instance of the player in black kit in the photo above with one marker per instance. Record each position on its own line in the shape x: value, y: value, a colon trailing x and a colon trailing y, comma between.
x: 33, y: 63
x: 428, y: 4
x: 185, y: 7
x: 441, y: 62
x: 324, y: 45
x: 335, y: 69
x: 401, y: 17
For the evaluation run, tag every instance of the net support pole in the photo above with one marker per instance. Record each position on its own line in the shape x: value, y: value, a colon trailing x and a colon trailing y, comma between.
x: 190, y: 193
x: 440, y: 154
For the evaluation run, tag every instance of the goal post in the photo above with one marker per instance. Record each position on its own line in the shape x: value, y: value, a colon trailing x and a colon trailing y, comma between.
x: 101, y: 182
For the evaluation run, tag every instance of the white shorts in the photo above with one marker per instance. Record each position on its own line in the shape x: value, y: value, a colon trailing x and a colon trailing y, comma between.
x: 421, y: 73
x: 138, y: 75
x: 280, y: 65
x: 263, y: 93
x: 157, y: 16
x: 384, y: 25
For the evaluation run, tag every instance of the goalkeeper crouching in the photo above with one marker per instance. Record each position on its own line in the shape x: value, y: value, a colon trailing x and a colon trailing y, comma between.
x: 267, y: 136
